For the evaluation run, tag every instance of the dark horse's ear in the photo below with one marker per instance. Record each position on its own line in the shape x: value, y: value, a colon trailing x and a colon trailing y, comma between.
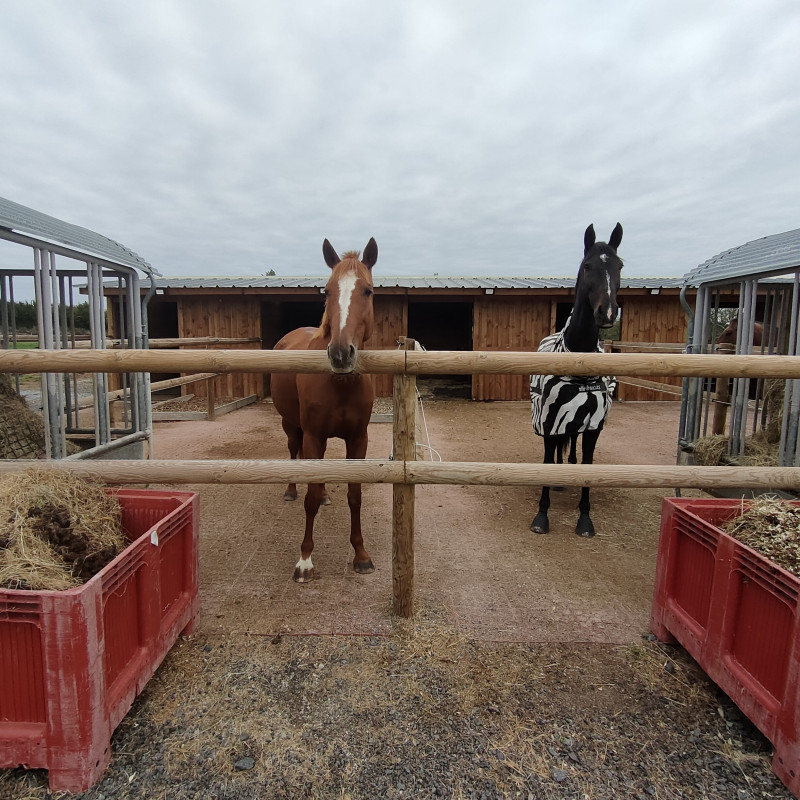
x: 588, y: 239
x: 370, y: 254
x: 616, y: 236
x: 331, y: 257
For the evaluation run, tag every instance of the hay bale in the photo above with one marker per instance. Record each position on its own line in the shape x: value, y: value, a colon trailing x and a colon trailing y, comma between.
x: 56, y: 530
x: 771, y: 527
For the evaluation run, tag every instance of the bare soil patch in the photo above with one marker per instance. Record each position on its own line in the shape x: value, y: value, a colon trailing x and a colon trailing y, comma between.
x: 526, y: 672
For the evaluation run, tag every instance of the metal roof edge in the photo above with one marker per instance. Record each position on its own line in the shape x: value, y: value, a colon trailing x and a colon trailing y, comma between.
x: 47, y: 229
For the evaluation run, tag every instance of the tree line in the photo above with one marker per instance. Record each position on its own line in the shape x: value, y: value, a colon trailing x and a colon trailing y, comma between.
x: 25, y: 316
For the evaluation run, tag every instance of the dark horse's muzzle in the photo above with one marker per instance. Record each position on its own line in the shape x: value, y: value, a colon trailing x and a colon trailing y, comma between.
x: 605, y: 313
x: 342, y: 357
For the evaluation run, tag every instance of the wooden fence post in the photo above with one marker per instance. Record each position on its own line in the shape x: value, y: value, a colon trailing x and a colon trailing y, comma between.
x: 404, y: 431
x: 210, y: 399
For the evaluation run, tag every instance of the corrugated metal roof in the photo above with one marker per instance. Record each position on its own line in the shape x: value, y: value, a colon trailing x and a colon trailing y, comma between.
x: 401, y: 282
x: 765, y: 257
x: 47, y: 229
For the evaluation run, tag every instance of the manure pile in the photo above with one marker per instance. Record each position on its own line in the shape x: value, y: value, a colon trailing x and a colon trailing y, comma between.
x: 56, y: 530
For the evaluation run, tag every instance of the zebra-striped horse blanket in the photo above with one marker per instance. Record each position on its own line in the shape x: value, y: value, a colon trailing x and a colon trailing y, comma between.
x: 564, y: 404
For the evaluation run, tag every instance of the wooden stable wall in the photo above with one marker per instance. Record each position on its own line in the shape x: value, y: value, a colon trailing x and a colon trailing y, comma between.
x: 503, y: 320
x: 391, y: 322
x: 650, y: 319
x: 509, y: 324
x: 228, y: 317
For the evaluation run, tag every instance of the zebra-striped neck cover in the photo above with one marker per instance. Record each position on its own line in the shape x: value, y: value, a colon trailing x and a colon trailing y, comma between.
x: 564, y: 404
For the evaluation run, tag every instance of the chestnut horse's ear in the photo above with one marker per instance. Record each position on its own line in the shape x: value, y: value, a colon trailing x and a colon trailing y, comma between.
x: 588, y: 239
x: 370, y: 254
x: 616, y: 236
x: 331, y: 257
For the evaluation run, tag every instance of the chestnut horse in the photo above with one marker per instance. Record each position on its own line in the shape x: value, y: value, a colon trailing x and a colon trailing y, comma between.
x: 337, y: 404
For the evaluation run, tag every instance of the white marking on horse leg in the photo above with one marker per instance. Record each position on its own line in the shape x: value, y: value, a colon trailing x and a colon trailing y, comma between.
x: 347, y: 283
x: 304, y: 570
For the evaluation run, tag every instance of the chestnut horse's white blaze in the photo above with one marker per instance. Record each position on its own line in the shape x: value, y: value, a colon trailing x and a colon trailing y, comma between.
x: 347, y: 285
x: 336, y: 404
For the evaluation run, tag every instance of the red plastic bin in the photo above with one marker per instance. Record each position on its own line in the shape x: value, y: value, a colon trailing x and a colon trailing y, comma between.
x: 737, y: 614
x: 72, y: 662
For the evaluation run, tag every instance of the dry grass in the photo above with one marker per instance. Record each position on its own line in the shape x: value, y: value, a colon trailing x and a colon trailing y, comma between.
x: 759, y: 451
x: 770, y: 526
x: 56, y: 530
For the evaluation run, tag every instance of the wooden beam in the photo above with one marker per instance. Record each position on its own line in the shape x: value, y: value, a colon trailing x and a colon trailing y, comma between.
x: 404, y: 449
x: 395, y: 361
x: 459, y: 473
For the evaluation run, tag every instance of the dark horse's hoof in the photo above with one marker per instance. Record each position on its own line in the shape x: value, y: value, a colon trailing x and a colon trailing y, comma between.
x: 326, y: 501
x: 540, y: 523
x: 363, y: 567
x: 585, y: 528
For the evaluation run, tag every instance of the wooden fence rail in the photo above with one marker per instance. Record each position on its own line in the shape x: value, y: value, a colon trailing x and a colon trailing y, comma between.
x: 404, y: 362
x: 478, y: 473
x: 404, y: 472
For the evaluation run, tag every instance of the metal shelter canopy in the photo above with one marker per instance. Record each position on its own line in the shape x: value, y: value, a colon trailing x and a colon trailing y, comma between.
x: 752, y: 270
x: 24, y: 225
x: 765, y: 257
x: 65, y: 405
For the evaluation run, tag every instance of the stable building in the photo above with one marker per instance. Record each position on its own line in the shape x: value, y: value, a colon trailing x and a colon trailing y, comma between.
x: 453, y: 313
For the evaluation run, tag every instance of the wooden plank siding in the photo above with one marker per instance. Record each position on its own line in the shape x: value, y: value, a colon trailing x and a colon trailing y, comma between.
x: 231, y: 317
x: 391, y: 322
x: 512, y: 325
x: 647, y: 319
x: 501, y: 320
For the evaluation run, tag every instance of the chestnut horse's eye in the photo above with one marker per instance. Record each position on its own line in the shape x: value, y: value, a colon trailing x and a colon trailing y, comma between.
x: 367, y: 291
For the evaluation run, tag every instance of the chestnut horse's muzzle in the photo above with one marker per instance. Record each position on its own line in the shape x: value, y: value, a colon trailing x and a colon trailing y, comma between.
x: 342, y: 357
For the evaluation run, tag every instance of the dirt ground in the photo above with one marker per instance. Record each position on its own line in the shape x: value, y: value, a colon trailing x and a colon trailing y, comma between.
x: 474, y: 553
x: 526, y: 672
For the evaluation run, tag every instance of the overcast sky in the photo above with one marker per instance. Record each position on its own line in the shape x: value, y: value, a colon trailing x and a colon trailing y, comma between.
x: 469, y: 138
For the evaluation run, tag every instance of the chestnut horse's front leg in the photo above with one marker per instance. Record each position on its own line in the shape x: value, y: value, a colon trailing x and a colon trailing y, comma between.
x: 362, y: 563
x: 304, y: 570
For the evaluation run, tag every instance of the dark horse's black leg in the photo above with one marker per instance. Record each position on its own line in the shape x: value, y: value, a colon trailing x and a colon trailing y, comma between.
x: 541, y: 524
x: 585, y: 527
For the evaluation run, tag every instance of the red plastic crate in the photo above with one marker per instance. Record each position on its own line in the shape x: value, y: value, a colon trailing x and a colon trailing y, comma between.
x: 737, y: 614
x: 73, y: 661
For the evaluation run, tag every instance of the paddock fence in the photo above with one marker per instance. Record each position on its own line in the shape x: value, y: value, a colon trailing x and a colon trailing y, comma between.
x: 403, y: 470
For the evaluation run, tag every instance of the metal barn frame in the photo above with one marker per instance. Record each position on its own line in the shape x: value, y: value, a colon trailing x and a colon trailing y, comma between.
x: 761, y: 281
x: 86, y: 261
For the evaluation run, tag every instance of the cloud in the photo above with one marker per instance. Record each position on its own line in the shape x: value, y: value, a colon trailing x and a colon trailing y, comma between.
x: 220, y: 139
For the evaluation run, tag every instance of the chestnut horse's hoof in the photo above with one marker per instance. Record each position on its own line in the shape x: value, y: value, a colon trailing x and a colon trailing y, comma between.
x: 304, y: 571
x: 540, y: 524
x: 364, y: 567
x: 290, y: 496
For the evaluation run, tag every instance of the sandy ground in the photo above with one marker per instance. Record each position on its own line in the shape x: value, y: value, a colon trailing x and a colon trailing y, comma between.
x: 474, y: 553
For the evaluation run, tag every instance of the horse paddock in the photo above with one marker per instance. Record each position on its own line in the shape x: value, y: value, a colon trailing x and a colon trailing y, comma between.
x: 525, y: 672
x: 474, y: 553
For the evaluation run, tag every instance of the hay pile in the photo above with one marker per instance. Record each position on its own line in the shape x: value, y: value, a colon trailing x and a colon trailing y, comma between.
x: 759, y: 451
x: 56, y: 530
x: 772, y: 527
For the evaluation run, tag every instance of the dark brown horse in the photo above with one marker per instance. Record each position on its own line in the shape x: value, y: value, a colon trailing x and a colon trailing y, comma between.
x: 729, y: 335
x: 336, y: 404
